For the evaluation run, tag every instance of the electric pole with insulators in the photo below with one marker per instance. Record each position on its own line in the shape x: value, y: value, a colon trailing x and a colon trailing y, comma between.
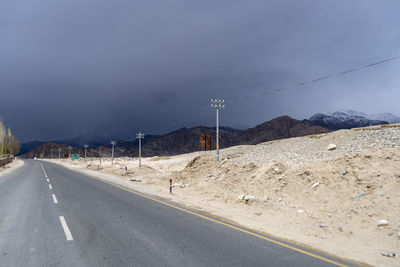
x: 86, y: 147
x: 217, y: 104
x: 112, y: 151
x: 140, y: 136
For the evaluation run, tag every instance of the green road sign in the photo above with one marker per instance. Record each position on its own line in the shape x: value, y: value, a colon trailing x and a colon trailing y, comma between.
x: 75, y: 156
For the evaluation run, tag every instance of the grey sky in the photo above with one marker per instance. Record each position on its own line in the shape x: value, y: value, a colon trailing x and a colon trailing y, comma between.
x: 116, y: 67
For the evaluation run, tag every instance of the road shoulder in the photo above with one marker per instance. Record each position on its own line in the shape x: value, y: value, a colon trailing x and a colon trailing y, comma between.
x: 11, y: 167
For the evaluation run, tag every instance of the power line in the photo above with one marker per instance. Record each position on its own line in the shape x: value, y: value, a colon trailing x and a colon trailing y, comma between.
x: 276, y: 90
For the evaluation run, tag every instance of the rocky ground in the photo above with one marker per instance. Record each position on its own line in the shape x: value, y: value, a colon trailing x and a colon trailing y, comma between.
x: 338, y: 192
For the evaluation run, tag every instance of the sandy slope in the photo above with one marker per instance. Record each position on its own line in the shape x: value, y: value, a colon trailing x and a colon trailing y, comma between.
x: 355, y: 186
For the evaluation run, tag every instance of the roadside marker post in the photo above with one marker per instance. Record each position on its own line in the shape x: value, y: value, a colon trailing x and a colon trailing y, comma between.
x: 170, y: 185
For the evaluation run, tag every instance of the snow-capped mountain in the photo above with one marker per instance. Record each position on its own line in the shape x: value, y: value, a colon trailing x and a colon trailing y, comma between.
x: 343, y: 119
x: 389, y: 117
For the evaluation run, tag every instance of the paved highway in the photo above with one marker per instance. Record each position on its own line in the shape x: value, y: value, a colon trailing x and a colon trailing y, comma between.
x: 51, y: 216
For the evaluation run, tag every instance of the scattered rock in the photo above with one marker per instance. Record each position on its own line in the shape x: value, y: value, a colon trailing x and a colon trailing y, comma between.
x: 249, y: 198
x: 136, y: 180
x: 340, y: 228
x: 331, y: 147
x: 361, y: 195
x: 383, y: 223
x: 315, y: 185
x: 370, y: 214
x: 398, y: 235
x: 241, y: 197
x: 258, y: 213
x: 323, y: 225
x: 300, y: 211
x: 390, y: 255
x: 276, y: 170
x: 345, y: 172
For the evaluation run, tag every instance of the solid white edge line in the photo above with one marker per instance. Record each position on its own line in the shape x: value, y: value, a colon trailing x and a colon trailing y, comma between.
x: 54, y: 199
x: 67, y: 232
x: 50, y: 186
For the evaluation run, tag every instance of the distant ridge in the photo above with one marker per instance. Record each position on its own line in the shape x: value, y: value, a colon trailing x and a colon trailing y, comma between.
x: 187, y: 140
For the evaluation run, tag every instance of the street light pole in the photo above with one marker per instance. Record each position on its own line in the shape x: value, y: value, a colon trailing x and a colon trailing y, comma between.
x: 86, y: 146
x: 217, y: 104
x: 112, y: 151
x: 140, y: 136
x: 70, y: 151
x: 59, y: 153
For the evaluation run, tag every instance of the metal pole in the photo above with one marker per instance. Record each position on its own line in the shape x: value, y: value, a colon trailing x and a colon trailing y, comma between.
x: 86, y: 146
x: 217, y: 135
x: 140, y: 136
x: 112, y: 152
x: 217, y: 104
x: 140, y: 152
x: 59, y: 153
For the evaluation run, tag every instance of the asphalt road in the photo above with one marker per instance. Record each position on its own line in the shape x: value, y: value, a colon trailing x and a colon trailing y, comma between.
x: 51, y: 216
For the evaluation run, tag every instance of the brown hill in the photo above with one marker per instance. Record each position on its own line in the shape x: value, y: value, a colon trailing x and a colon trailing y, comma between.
x: 278, y: 128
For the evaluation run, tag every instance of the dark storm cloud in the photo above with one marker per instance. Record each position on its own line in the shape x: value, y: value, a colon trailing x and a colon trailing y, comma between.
x: 114, y: 67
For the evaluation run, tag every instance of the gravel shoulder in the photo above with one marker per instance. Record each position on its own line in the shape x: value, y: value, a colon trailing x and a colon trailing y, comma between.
x: 296, y: 188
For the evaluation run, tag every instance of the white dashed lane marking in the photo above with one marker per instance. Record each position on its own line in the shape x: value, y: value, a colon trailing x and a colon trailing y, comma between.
x: 67, y: 232
x: 50, y: 187
x: 54, y: 199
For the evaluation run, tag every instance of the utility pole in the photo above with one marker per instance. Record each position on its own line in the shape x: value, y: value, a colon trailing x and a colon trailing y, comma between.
x: 86, y: 146
x: 51, y: 150
x: 59, y: 152
x: 100, y: 156
x: 70, y: 151
x: 217, y: 104
x: 140, y: 136
x: 112, y: 151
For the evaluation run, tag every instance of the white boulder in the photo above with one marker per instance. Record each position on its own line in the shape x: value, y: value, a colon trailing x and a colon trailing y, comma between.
x: 383, y: 223
x: 331, y: 147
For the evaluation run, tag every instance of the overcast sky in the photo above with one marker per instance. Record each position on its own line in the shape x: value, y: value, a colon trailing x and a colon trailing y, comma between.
x: 72, y: 67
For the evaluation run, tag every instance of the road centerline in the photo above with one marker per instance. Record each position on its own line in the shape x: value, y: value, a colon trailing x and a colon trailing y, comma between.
x: 50, y: 187
x: 67, y: 232
x: 54, y: 199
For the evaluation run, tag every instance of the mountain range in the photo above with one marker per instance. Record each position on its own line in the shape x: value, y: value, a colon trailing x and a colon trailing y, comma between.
x: 186, y: 140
